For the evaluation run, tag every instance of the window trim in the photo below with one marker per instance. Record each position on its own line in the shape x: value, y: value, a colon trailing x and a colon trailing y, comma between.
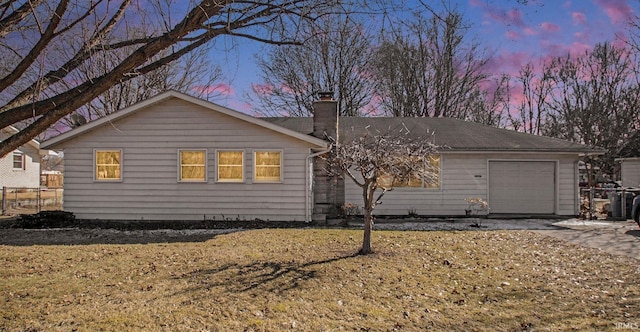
x: 23, y: 165
x: 95, y: 165
x: 255, y: 166
x: 205, y: 180
x: 242, y: 180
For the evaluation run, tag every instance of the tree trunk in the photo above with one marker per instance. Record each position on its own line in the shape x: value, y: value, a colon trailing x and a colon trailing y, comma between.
x: 368, y: 191
x: 368, y: 223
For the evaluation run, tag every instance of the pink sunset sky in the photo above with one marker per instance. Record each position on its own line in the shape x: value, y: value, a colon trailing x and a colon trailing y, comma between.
x: 514, y: 33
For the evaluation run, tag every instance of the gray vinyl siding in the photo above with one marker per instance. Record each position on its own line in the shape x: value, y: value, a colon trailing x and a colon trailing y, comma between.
x: 630, y: 172
x: 150, y: 190
x: 464, y: 176
x: 568, y: 188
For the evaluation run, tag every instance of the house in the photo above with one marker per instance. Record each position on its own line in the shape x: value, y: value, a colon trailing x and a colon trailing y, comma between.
x: 176, y: 157
x: 20, y: 168
x: 630, y: 172
x: 515, y: 173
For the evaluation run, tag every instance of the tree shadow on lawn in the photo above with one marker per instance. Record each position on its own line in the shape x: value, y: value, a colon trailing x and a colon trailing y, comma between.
x: 79, y: 236
x: 267, y: 276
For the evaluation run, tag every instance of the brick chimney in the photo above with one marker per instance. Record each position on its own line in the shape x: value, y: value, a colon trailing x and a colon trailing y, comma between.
x: 328, y: 192
x: 325, y: 116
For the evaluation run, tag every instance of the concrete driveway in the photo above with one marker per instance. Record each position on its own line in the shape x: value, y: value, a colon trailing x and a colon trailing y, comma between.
x: 615, y: 237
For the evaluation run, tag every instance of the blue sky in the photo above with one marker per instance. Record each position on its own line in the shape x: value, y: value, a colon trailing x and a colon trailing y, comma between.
x: 516, y: 33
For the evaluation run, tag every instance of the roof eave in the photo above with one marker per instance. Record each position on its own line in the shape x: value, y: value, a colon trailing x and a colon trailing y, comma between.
x: 578, y: 151
x: 34, y: 143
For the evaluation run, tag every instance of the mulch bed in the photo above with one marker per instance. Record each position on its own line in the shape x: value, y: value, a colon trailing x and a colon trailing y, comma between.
x: 61, y: 219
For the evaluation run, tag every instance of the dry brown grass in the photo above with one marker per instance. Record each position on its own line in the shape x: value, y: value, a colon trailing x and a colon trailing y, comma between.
x: 309, y: 280
x: 25, y: 201
x: 24, y: 195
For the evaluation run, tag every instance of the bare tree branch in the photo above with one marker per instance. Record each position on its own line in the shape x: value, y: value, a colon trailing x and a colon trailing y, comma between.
x: 96, y: 29
x: 32, y: 56
x: 8, y: 23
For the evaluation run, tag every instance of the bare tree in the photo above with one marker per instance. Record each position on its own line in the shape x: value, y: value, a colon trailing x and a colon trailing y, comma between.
x: 376, y: 162
x: 595, y: 100
x: 50, y: 40
x: 428, y: 68
x: 335, y: 57
x: 536, y: 91
x: 402, y: 72
x: 489, y: 105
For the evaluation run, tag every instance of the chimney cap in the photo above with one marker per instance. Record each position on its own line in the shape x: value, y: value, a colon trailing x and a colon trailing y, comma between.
x: 325, y: 95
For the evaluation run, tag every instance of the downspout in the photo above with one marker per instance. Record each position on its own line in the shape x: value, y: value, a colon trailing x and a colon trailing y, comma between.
x: 308, y: 187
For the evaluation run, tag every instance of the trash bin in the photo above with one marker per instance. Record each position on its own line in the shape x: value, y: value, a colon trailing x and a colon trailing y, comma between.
x: 629, y: 204
x: 616, y: 205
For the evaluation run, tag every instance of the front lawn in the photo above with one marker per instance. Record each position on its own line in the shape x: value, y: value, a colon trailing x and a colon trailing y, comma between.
x: 310, y: 280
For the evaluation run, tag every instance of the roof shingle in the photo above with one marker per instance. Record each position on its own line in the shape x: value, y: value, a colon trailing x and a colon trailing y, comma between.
x: 451, y: 133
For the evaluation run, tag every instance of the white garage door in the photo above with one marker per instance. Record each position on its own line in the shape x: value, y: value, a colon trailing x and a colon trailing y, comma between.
x: 522, y: 187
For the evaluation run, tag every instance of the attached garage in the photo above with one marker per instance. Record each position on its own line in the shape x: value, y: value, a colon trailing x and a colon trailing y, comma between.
x: 522, y: 187
x: 516, y: 173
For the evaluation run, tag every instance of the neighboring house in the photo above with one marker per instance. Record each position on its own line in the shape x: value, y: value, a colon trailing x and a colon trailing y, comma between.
x: 630, y: 172
x: 176, y: 157
x: 21, y: 167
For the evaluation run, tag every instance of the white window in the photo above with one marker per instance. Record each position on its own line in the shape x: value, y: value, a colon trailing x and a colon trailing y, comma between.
x: 193, y: 166
x: 108, y: 165
x: 230, y: 166
x: 18, y: 160
x: 267, y: 166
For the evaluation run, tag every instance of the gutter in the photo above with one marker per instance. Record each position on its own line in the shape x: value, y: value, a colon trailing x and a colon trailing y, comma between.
x: 309, y: 185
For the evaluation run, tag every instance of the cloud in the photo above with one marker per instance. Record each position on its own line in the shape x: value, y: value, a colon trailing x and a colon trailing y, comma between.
x: 578, y: 48
x: 553, y: 50
x: 515, y: 16
x: 514, y: 35
x: 621, y: 40
x: 581, y: 35
x: 579, y: 18
x: 507, y: 62
x: 618, y: 11
x: 549, y: 27
x: 243, y: 107
x: 516, y: 94
x: 223, y: 89
x: 508, y: 17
